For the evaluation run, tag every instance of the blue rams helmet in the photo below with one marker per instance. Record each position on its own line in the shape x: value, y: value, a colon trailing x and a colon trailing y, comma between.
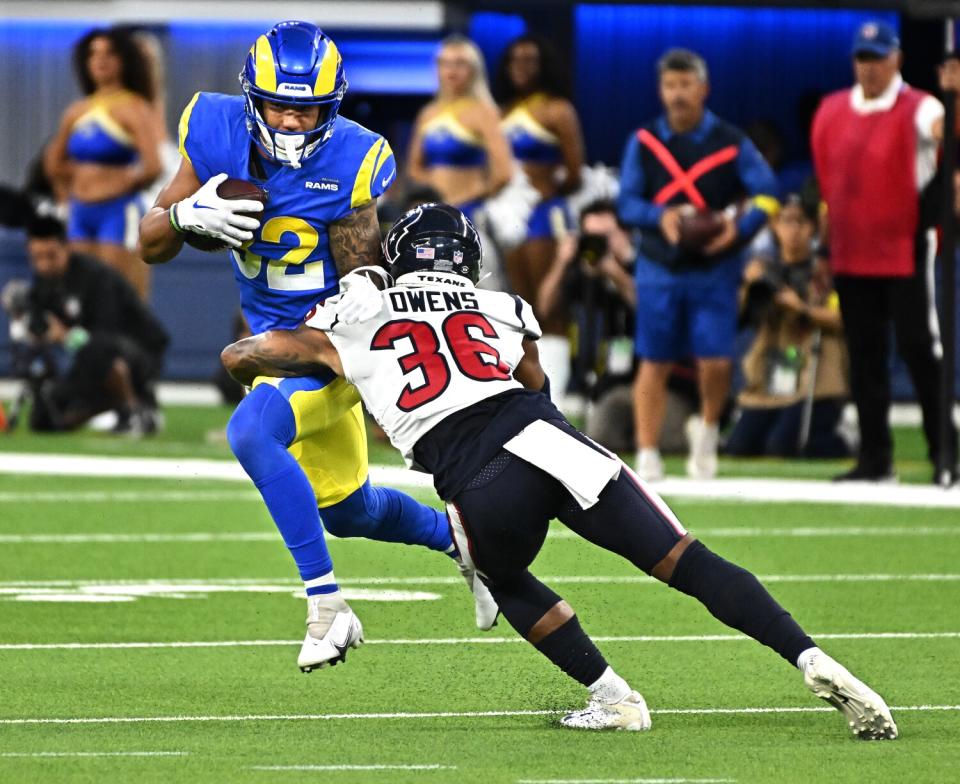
x: 295, y: 64
x: 434, y: 238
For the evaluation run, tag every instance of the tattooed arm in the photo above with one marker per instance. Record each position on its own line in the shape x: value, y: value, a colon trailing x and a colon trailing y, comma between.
x: 355, y: 239
x: 281, y: 353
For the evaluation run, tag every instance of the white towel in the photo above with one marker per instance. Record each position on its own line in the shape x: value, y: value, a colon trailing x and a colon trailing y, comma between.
x: 579, y: 468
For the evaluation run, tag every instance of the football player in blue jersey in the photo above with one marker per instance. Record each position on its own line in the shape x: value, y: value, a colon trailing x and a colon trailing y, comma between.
x: 301, y: 440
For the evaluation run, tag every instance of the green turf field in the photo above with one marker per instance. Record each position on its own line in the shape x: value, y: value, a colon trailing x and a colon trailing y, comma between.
x: 198, y: 562
x: 198, y: 431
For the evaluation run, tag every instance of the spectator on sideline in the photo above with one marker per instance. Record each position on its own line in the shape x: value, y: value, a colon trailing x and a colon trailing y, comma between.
x: 592, y: 274
x: 875, y: 153
x: 543, y: 129
x: 796, y: 367
x: 107, y: 150
x: 688, y: 156
x: 590, y: 284
x: 457, y: 147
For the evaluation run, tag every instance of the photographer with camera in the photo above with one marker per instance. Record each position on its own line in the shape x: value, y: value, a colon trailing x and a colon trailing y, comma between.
x: 796, y: 368
x: 590, y: 284
x: 79, y: 314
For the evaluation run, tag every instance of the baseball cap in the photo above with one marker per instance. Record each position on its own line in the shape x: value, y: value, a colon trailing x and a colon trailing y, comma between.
x: 877, y: 38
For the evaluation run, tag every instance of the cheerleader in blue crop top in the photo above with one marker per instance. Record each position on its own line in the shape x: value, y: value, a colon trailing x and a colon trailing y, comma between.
x: 544, y: 133
x: 107, y: 150
x: 542, y: 127
x: 457, y: 147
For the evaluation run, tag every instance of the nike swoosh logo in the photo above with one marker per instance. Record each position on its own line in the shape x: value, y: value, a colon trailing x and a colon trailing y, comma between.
x: 384, y: 182
x: 198, y: 206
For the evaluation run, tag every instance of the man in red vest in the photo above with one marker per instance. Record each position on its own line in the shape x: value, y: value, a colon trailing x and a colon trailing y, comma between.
x: 875, y: 154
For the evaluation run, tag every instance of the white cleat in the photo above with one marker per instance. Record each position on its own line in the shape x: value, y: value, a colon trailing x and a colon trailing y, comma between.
x: 485, y: 605
x: 865, y: 711
x: 630, y: 713
x: 704, y: 441
x: 649, y: 465
x: 332, y: 628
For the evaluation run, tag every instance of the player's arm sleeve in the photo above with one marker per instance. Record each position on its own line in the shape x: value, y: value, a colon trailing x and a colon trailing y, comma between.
x: 376, y: 173
x: 761, y: 185
x: 634, y: 209
x: 190, y: 136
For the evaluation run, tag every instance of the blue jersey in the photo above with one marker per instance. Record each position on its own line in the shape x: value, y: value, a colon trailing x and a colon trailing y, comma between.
x: 287, y: 267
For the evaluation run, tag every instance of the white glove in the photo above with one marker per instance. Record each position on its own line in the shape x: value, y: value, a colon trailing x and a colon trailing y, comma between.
x: 360, y: 299
x: 206, y: 213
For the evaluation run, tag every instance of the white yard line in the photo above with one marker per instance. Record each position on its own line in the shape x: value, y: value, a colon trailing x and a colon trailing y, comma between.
x: 96, y: 754
x: 127, y: 496
x: 805, y: 532
x: 488, y: 640
x: 237, y: 536
x: 352, y: 767
x: 431, y: 715
x: 742, y: 490
x: 597, y: 579
x: 626, y: 781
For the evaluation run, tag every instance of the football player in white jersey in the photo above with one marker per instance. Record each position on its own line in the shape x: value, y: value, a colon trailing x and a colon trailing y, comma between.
x: 451, y: 373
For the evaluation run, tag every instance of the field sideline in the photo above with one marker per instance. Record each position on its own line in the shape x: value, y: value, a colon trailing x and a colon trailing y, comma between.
x: 149, y: 632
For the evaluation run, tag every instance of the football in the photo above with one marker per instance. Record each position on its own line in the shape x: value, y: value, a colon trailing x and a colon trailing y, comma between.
x: 699, y: 227
x: 231, y: 188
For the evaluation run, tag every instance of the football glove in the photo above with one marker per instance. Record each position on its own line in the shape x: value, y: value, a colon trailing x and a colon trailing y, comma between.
x: 206, y: 213
x: 360, y: 299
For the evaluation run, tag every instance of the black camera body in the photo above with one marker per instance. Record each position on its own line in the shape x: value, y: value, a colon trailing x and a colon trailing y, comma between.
x: 591, y: 248
x: 777, y: 275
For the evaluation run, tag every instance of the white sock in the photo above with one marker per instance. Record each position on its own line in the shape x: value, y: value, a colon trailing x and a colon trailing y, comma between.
x: 555, y: 358
x: 321, y: 582
x: 806, y: 658
x: 648, y: 453
x: 609, y: 687
x: 709, y: 436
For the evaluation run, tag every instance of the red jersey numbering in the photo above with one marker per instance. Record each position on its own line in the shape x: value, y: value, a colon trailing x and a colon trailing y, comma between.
x: 474, y: 357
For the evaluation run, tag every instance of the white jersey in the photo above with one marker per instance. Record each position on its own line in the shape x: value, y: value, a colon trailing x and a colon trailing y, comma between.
x: 435, y: 348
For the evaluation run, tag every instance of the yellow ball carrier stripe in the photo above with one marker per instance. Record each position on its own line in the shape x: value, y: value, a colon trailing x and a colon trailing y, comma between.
x: 331, y: 440
x: 327, y: 78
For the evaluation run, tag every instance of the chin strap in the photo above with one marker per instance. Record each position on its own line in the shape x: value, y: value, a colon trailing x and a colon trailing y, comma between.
x: 292, y: 146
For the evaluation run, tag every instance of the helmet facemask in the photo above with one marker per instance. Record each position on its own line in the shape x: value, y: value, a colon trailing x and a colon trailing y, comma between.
x: 288, y: 147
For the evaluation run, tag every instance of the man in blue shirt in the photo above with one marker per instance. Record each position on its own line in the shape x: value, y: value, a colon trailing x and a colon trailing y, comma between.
x: 688, y: 159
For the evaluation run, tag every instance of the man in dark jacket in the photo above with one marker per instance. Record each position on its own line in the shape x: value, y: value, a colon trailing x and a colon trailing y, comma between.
x: 116, y: 344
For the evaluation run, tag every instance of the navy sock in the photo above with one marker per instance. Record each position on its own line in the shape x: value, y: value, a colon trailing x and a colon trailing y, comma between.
x: 387, y: 515
x: 259, y: 432
x: 573, y: 651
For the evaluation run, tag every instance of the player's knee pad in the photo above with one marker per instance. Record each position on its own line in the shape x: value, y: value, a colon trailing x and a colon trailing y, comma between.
x: 262, y: 423
x: 522, y: 598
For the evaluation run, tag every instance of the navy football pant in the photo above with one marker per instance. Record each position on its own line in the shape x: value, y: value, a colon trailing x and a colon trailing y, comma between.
x: 507, y: 508
x: 505, y: 512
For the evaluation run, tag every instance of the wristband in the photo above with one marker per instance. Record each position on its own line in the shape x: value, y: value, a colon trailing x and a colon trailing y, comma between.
x: 173, y: 219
